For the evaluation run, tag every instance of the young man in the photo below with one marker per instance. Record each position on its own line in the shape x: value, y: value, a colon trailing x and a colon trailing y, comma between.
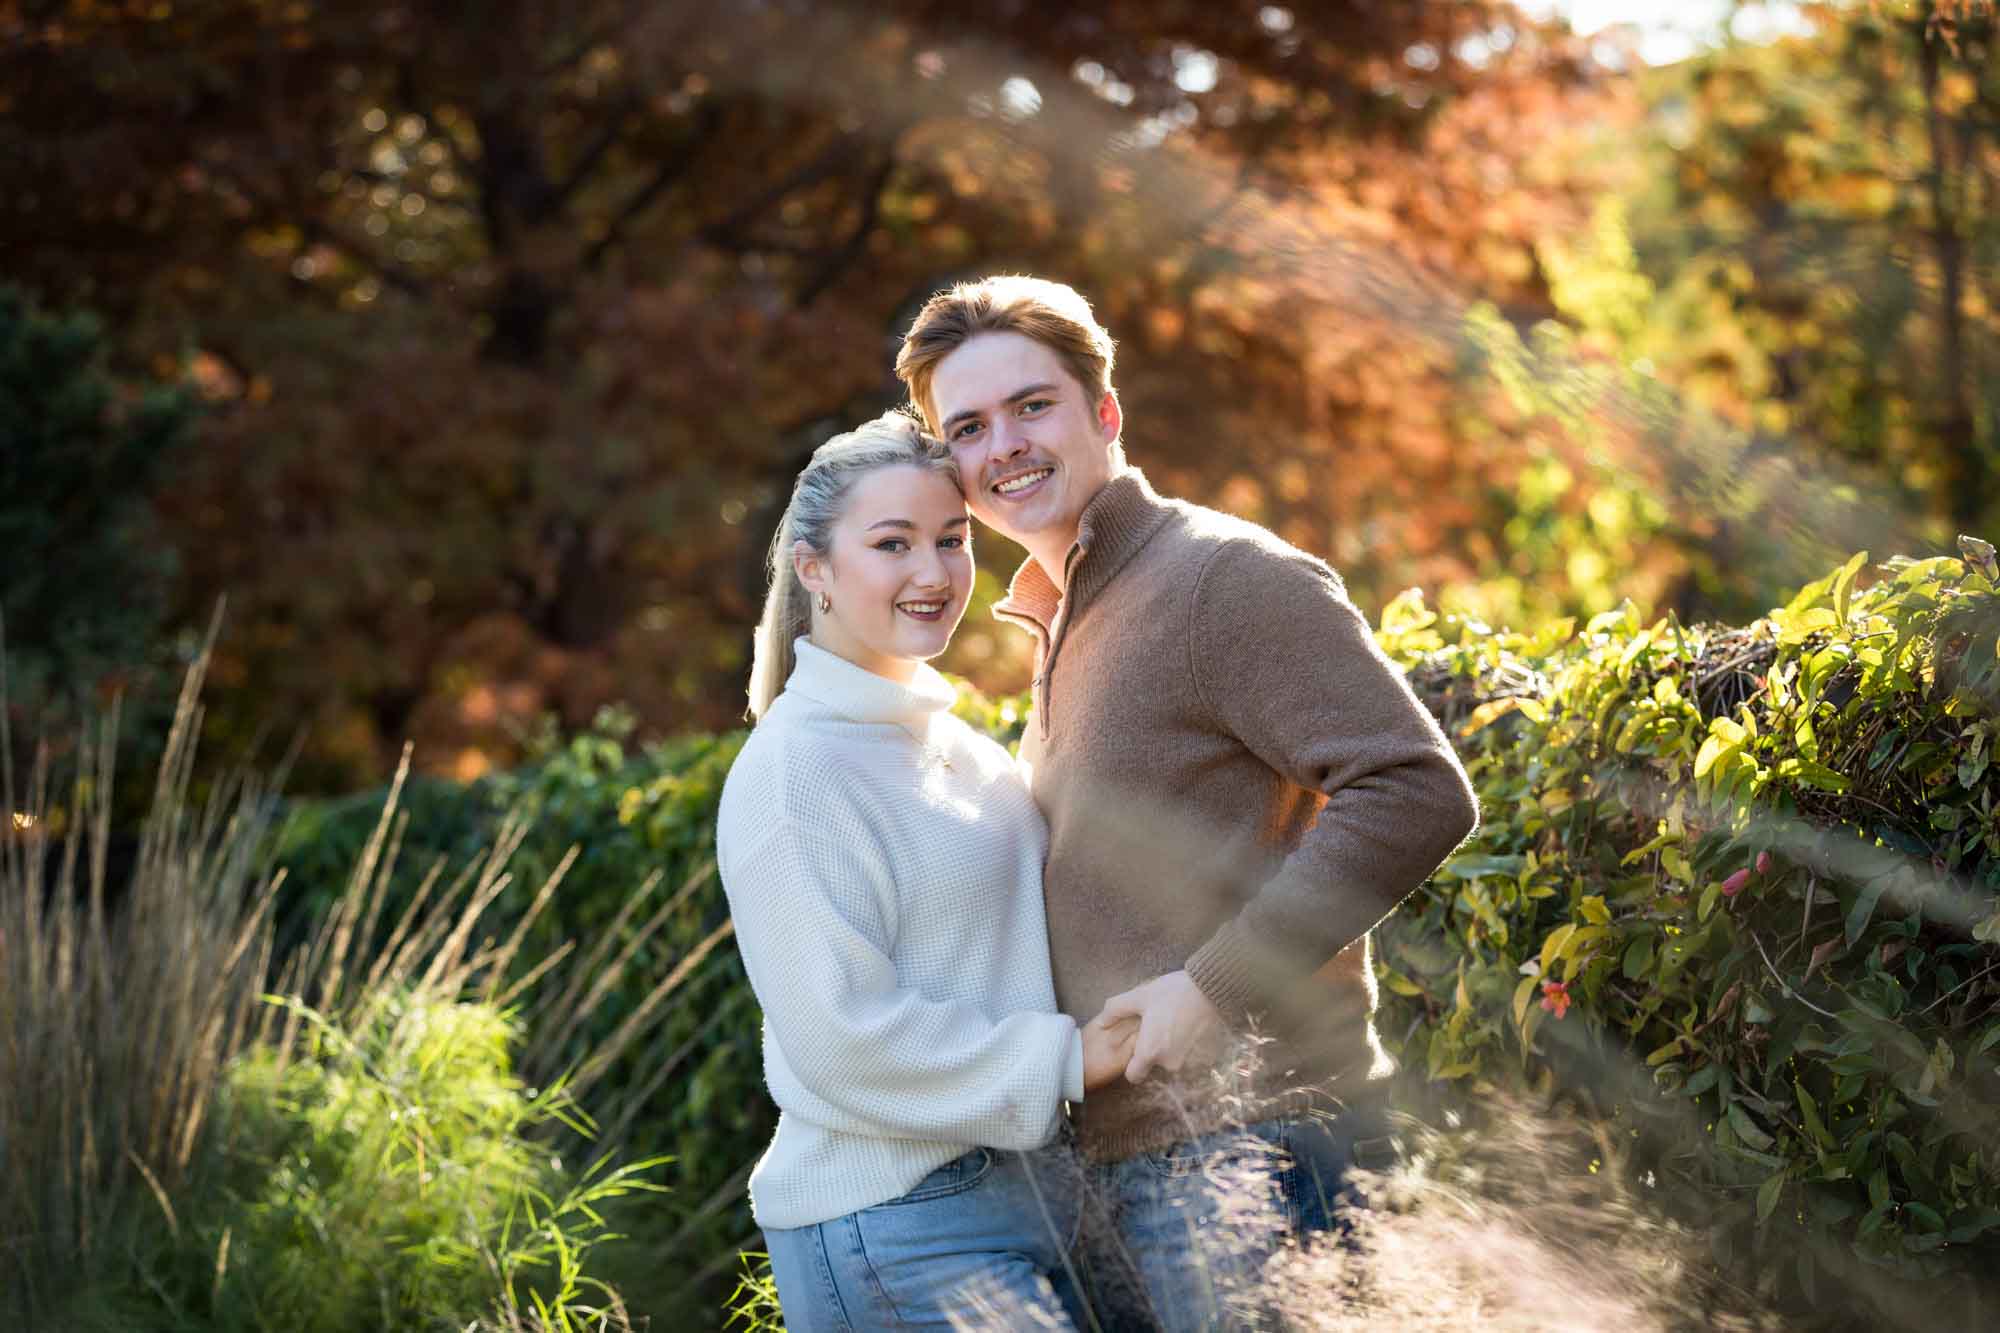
x: 1238, y: 785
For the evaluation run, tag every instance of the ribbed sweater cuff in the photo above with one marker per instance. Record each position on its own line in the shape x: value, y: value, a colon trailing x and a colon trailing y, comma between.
x: 1225, y: 970
x: 1073, y: 1068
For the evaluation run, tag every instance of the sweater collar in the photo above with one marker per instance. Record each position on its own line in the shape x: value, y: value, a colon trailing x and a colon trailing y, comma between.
x: 1119, y: 520
x: 858, y: 693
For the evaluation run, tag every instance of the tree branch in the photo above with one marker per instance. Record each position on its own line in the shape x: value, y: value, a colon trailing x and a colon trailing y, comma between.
x: 587, y: 162
x: 836, y: 159
x: 843, y: 255
x: 669, y: 171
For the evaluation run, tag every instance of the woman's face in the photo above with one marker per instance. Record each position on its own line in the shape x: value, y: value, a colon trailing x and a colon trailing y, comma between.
x: 898, y: 570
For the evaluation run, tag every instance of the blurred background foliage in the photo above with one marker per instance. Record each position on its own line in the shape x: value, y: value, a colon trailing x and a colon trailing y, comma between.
x: 510, y: 325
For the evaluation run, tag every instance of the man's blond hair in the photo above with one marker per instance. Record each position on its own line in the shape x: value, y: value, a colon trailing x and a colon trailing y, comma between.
x: 1052, y: 313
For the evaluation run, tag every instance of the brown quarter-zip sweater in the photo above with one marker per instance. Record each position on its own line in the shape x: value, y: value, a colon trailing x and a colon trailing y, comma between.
x: 1237, y: 782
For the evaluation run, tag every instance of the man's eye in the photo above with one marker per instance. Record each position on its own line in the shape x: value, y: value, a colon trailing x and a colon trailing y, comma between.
x: 1035, y: 405
x: 962, y: 431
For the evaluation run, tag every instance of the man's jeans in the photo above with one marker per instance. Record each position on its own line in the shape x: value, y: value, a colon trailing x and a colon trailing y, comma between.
x: 982, y: 1242
x: 1177, y: 1239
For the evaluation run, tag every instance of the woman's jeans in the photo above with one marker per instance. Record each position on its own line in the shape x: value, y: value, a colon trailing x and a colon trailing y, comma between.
x: 982, y: 1242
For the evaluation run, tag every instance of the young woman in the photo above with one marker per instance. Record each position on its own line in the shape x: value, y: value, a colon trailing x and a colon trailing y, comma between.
x: 883, y: 864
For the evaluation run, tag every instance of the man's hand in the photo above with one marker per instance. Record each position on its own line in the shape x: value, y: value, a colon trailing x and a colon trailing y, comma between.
x: 1107, y: 1049
x: 1174, y: 1019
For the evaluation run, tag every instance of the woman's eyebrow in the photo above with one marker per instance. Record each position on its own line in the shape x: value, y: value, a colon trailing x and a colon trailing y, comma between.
x: 958, y: 522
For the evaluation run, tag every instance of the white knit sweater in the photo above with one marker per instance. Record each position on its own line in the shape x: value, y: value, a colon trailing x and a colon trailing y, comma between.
x: 883, y: 862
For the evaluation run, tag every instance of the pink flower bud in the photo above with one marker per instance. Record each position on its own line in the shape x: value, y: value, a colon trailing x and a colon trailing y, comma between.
x: 1734, y: 884
x: 1763, y: 863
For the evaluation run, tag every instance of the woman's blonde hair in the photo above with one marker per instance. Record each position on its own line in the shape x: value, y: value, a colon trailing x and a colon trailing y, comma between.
x: 894, y: 439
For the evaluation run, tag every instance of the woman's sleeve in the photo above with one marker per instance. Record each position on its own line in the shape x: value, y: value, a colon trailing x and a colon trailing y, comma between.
x: 870, y: 1056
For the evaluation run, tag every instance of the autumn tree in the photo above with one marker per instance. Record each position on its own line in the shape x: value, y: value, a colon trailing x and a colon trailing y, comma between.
x: 524, y: 317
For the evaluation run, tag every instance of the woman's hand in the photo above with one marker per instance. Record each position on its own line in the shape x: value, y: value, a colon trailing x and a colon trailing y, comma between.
x: 1107, y: 1049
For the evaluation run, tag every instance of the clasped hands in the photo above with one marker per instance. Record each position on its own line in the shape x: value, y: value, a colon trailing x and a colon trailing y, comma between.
x: 1152, y: 1026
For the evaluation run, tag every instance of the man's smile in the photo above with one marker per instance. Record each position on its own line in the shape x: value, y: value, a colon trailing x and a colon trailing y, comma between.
x: 1022, y: 482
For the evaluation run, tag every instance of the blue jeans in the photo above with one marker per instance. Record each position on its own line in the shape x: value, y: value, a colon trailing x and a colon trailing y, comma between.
x: 1177, y: 1238
x: 982, y: 1242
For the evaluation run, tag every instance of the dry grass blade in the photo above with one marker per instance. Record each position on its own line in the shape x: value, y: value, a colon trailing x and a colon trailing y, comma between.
x: 641, y: 1017
x: 502, y: 958
x: 567, y: 1000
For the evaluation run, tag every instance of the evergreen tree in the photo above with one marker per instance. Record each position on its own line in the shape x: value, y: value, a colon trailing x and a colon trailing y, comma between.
x: 83, y: 581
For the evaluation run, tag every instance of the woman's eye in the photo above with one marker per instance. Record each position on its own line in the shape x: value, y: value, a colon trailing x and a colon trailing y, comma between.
x: 951, y: 543
x: 893, y: 544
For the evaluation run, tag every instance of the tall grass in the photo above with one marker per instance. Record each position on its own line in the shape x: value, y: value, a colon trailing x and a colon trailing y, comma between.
x: 117, y: 1019
x: 161, y: 1072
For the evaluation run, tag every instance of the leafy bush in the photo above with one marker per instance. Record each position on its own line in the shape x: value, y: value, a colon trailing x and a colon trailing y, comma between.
x: 387, y: 1176
x: 1735, y: 892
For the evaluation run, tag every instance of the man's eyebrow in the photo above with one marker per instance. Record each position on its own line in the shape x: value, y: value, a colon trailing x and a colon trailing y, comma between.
x: 1013, y: 397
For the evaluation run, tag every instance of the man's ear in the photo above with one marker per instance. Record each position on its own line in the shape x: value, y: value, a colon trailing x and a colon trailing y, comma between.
x: 1110, y: 417
x: 811, y: 566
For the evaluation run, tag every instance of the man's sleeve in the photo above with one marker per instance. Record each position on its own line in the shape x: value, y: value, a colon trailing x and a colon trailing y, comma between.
x: 1285, y: 663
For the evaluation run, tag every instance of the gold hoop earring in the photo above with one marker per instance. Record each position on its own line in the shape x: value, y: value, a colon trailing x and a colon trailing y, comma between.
x: 825, y: 604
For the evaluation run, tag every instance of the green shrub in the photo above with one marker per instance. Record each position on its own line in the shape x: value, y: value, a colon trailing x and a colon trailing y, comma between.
x: 389, y: 1177
x: 1735, y: 890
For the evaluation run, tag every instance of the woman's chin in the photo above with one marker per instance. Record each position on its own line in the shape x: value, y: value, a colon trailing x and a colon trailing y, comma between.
x: 926, y: 643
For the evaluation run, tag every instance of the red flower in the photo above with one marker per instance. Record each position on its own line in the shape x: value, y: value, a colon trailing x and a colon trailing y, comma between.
x: 1555, y: 997
x: 1734, y: 884
x: 1763, y: 863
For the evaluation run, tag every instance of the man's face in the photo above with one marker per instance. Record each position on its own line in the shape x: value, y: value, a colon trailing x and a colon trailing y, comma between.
x: 1032, y: 448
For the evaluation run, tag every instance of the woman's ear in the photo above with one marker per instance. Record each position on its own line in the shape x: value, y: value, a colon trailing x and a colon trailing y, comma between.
x: 811, y: 567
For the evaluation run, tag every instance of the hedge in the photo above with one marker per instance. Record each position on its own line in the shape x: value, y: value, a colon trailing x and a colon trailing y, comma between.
x: 1735, y: 892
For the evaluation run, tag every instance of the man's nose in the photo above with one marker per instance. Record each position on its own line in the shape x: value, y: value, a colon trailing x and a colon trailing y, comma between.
x: 1008, y: 438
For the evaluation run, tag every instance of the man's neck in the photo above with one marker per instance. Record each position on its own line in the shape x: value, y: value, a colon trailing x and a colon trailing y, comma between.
x: 1050, y: 549
x: 1051, y: 552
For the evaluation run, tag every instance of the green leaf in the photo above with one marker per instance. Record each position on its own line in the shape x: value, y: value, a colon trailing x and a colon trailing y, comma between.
x: 1843, y: 585
x: 1746, y: 1128
x: 1639, y: 957
x: 1813, y: 774
x: 1711, y: 750
x: 1809, y: 1111
x: 1524, y: 995
x: 1667, y: 1052
x: 1767, y: 1196
x: 1864, y: 907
